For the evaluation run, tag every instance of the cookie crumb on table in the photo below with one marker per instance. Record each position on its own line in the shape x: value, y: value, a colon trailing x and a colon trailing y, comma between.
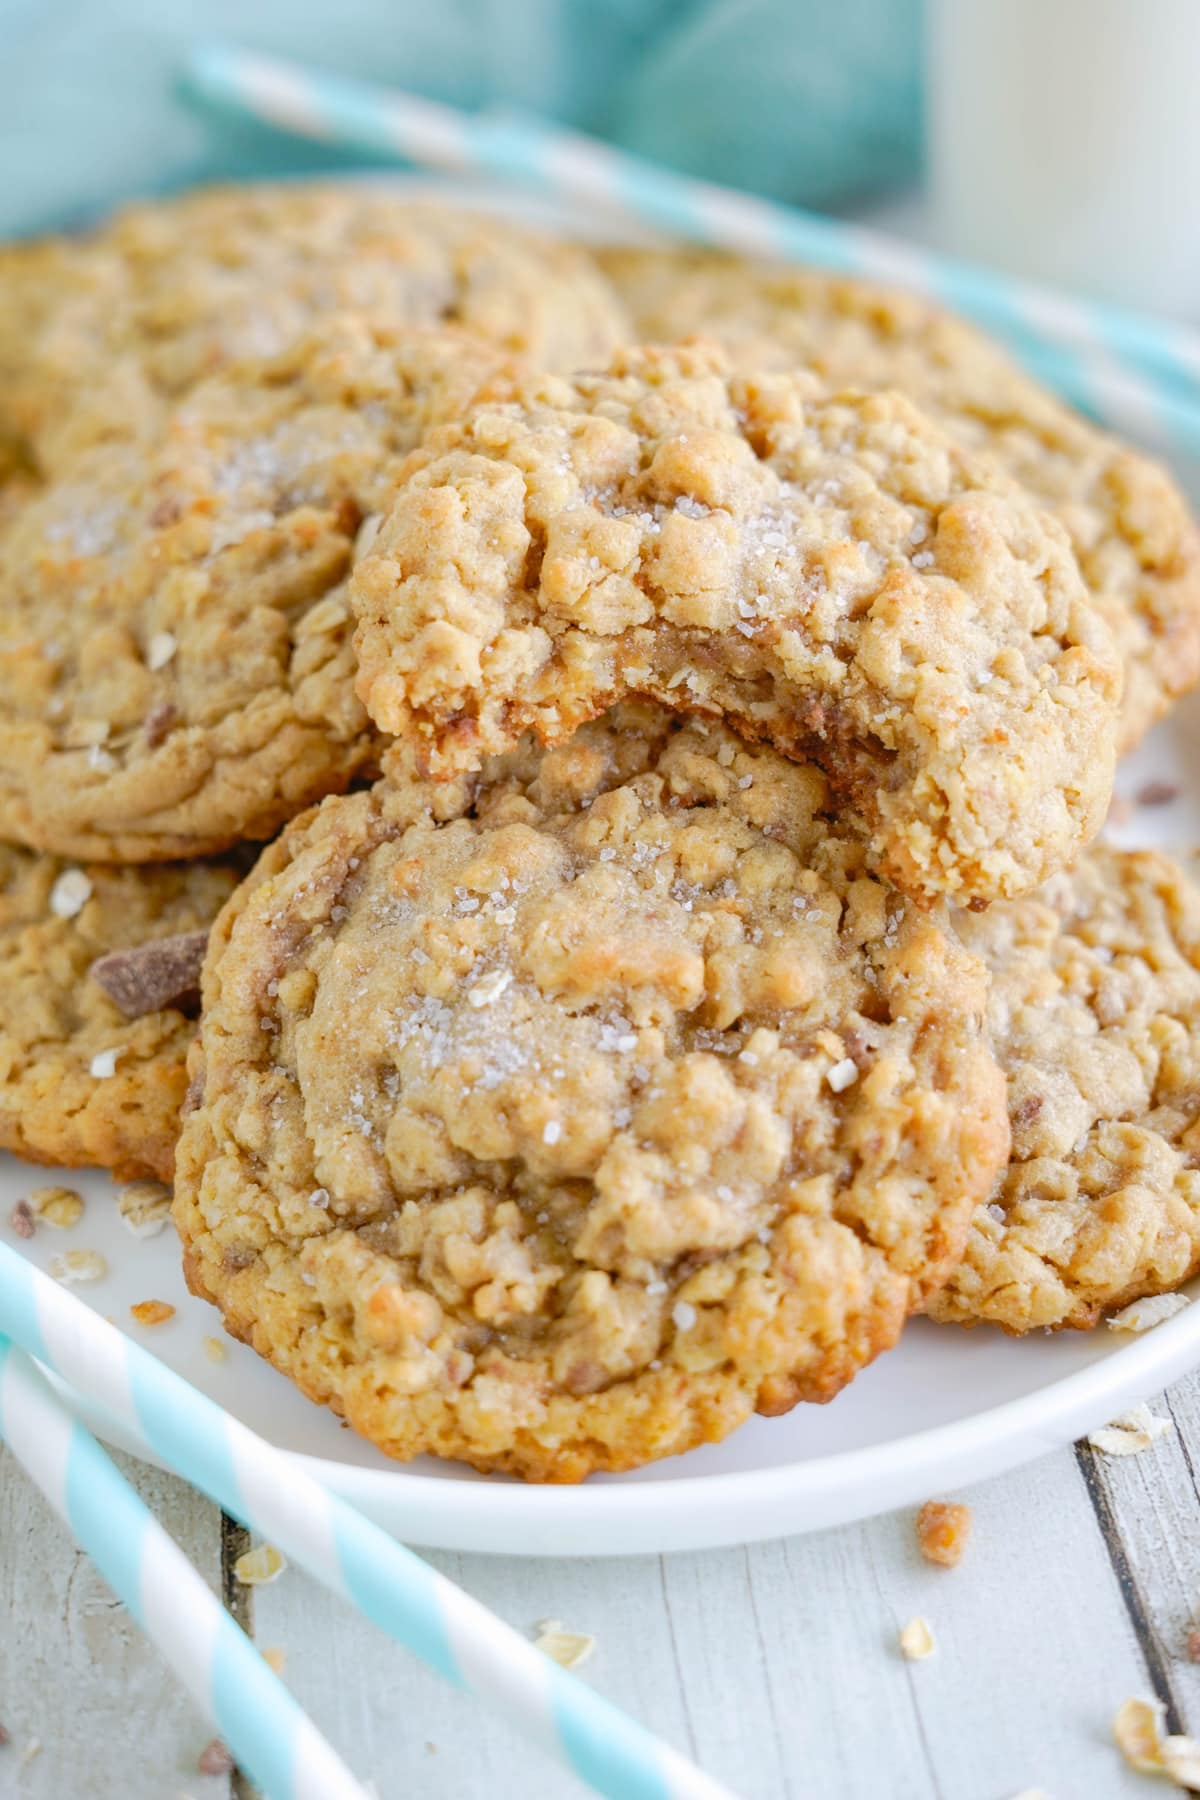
x: 1139, y: 1736
x: 144, y: 1206
x: 215, y: 1759
x: 61, y: 1207
x: 943, y: 1527
x: 1144, y: 1315
x: 1130, y: 1432
x: 916, y: 1640
x: 79, y: 1266
x: 215, y: 1350
x: 152, y: 1312
x: 256, y: 1567
x: 21, y: 1219
x: 570, y: 1649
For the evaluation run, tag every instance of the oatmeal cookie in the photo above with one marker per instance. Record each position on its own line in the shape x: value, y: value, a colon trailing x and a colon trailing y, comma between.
x: 176, y: 670
x: 84, y: 1080
x: 828, y: 572
x: 658, y: 1108
x: 96, y: 331
x: 1131, y: 527
x: 1095, y: 1016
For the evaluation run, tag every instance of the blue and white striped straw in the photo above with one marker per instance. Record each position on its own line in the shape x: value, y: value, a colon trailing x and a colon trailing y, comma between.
x: 1136, y: 374
x: 272, y: 1494
x: 268, y: 1734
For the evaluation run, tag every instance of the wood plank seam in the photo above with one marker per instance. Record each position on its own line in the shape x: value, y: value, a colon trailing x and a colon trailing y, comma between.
x: 1134, y: 1601
x: 239, y: 1603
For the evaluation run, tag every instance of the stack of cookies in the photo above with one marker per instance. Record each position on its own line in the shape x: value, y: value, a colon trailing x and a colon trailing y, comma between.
x: 676, y: 956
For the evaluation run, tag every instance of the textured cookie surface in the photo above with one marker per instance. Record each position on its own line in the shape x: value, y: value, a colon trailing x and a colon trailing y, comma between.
x: 657, y: 1108
x: 176, y: 671
x: 56, y: 919
x: 94, y: 332
x: 1130, y: 526
x: 828, y: 572
x: 1095, y: 1016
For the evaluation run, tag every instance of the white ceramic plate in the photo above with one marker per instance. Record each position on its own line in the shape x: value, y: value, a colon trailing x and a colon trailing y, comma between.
x: 944, y: 1408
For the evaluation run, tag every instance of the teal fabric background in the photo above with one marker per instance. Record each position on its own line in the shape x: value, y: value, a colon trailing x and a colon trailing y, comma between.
x: 814, y: 101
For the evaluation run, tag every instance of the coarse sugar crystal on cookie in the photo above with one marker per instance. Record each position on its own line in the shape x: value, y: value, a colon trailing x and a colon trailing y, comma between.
x: 85, y: 1079
x: 1130, y: 525
x: 176, y: 670
x: 829, y: 572
x: 559, y: 1118
x: 1095, y: 1017
x: 97, y: 331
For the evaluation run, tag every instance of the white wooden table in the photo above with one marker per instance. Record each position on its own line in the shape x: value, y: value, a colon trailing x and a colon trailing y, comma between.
x: 775, y: 1666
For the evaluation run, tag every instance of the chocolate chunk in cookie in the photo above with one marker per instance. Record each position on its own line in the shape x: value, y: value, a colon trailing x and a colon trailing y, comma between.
x: 146, y: 977
x: 82, y: 1081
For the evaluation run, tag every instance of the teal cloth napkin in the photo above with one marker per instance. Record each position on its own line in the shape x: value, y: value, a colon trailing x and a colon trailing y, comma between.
x: 815, y: 101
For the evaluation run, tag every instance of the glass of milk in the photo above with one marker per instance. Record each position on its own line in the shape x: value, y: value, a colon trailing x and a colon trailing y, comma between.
x: 1064, y: 142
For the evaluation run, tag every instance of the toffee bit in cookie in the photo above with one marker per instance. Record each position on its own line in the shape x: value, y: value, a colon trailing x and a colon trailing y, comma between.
x: 1144, y: 1315
x: 160, y: 650
x: 1157, y: 793
x: 152, y: 1312
x: 21, y: 1219
x: 916, y: 1640
x: 570, y: 1649
x: 1130, y: 1432
x: 79, y: 1266
x: 61, y: 1207
x: 158, y: 722
x: 150, y: 977
x: 103, y: 1065
x: 215, y: 1759
x: 144, y: 1206
x: 943, y: 1528
x: 256, y: 1567
x: 70, y: 894
x: 842, y: 1075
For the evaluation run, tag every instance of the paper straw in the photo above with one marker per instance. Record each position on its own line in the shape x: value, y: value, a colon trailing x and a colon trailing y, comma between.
x: 1084, y: 347
x: 270, y: 1493
x: 266, y: 1731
